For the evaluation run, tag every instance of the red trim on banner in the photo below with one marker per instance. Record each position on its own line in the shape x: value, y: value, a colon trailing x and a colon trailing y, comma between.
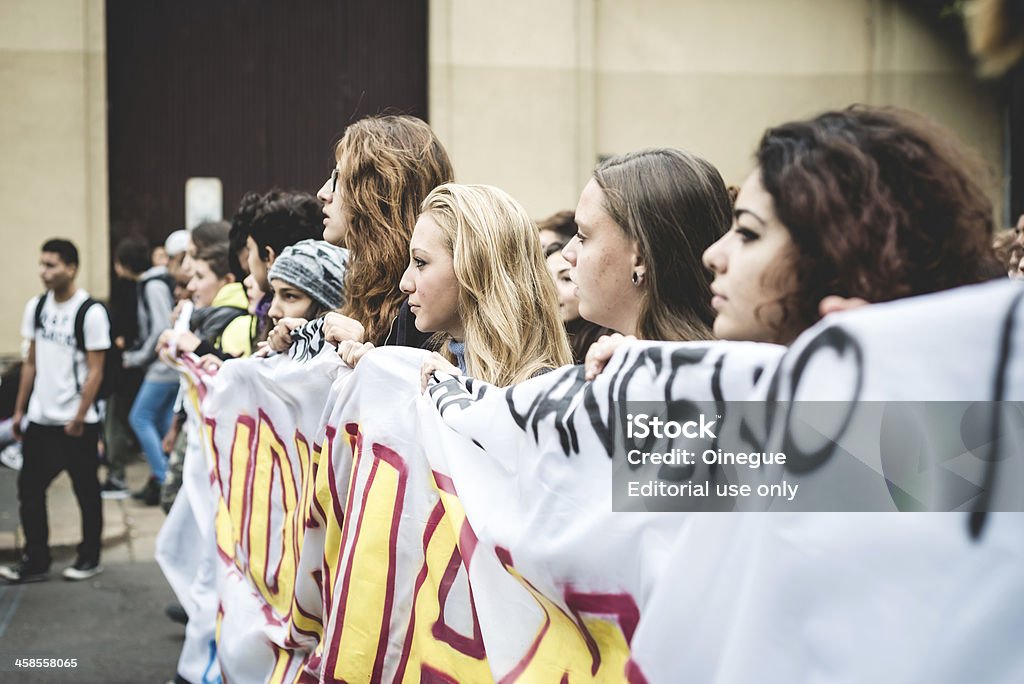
x: 355, y: 441
x: 327, y: 460
x: 428, y: 533
x: 429, y: 675
x: 380, y: 453
x: 633, y: 673
x: 505, y: 557
x: 444, y: 483
x: 442, y: 631
x: 214, y: 476
x: 383, y: 453
x: 467, y: 543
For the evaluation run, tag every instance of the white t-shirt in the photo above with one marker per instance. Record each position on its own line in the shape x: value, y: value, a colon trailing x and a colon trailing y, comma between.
x: 55, y: 394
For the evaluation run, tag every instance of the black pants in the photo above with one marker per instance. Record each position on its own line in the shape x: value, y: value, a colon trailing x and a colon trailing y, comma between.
x: 47, y: 451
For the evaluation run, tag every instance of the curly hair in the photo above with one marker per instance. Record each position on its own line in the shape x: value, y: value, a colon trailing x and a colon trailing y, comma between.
x: 674, y: 205
x: 388, y: 165
x: 880, y: 203
x: 506, y: 300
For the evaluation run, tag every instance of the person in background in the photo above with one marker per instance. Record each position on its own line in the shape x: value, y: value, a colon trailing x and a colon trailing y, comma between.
x: 559, y: 227
x: 240, y: 222
x: 10, y: 447
x: 1015, y: 260
x: 278, y: 219
x: 239, y: 256
x: 120, y: 446
x: 582, y: 333
x: 69, y: 335
x: 220, y: 324
x: 555, y: 231
x: 158, y: 256
x: 176, y: 245
x: 151, y: 412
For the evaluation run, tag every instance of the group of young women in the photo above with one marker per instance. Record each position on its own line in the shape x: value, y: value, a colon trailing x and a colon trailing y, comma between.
x: 850, y: 207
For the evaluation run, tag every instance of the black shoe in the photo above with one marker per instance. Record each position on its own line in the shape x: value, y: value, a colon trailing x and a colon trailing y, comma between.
x: 153, y: 495
x: 140, y: 494
x: 150, y: 494
x: 24, y: 571
x: 176, y: 613
x: 82, y: 570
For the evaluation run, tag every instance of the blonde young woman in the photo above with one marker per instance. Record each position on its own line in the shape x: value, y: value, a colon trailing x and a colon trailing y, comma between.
x: 385, y: 167
x: 477, y: 279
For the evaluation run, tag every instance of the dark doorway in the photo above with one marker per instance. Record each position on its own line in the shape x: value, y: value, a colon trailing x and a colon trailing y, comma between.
x: 254, y: 92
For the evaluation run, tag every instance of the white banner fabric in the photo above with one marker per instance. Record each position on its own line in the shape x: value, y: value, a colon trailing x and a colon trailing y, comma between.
x: 366, y: 532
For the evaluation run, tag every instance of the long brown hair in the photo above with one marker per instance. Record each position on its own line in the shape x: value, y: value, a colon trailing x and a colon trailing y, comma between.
x: 674, y: 205
x: 388, y: 165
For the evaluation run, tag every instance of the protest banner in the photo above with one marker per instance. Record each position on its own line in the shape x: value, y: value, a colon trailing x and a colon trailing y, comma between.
x: 367, y: 532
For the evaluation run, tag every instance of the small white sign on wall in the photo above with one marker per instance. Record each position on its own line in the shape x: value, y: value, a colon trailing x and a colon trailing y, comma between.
x: 204, y: 201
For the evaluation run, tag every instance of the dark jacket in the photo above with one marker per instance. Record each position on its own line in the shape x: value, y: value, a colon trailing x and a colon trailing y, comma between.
x: 403, y: 331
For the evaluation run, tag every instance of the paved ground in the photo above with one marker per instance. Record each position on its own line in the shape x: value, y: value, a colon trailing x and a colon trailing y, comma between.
x: 114, y: 624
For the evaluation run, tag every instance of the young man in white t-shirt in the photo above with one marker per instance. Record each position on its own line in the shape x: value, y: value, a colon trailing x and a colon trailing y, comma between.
x: 63, y: 427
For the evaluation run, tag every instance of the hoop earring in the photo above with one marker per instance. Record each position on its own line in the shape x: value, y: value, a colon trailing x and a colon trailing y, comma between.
x: 636, y: 279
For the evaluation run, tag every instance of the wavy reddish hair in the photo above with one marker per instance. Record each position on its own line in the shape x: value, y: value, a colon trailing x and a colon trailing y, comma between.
x: 388, y: 165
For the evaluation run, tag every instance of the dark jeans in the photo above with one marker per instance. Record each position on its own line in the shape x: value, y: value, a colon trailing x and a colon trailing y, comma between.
x: 119, y: 438
x: 47, y: 451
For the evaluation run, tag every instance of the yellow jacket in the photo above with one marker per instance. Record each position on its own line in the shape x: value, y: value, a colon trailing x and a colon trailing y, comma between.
x: 235, y: 340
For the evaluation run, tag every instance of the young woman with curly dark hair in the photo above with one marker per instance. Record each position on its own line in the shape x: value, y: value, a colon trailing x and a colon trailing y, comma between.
x: 860, y: 205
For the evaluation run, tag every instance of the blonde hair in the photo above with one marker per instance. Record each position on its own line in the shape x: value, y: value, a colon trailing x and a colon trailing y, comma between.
x: 388, y: 165
x: 506, y: 301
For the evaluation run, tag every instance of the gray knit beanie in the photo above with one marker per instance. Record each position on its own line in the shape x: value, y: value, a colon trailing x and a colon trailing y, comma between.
x: 315, y: 267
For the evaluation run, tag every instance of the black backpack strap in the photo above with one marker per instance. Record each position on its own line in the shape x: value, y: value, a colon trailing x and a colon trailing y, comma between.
x: 39, y: 311
x: 80, y: 322
x: 80, y: 334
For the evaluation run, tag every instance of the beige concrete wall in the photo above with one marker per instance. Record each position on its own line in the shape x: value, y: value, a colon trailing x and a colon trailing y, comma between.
x: 527, y: 95
x: 511, y: 93
x: 53, y: 166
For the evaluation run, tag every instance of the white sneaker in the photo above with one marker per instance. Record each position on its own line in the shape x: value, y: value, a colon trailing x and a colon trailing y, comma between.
x: 114, y: 488
x: 11, y: 456
x: 82, y: 571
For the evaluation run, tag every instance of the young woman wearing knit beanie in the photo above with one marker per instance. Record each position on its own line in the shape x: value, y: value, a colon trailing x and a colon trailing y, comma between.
x: 476, y: 278
x: 307, y: 280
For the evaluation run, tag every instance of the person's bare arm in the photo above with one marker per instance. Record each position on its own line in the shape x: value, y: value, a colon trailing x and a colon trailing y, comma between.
x: 93, y: 378
x: 28, y: 378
